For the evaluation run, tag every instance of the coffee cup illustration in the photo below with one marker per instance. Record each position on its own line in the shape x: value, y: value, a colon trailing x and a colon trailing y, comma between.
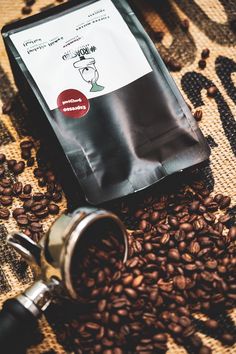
x: 89, y: 72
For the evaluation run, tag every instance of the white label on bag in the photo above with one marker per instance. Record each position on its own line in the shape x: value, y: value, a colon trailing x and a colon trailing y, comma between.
x: 90, y: 50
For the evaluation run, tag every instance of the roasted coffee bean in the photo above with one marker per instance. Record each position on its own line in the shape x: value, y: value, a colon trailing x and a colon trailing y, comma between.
x: 2, y: 158
x: 205, y: 53
x: 53, y: 209
x: 131, y: 293
x: 225, y: 202
x: 56, y: 196
x: 211, y: 324
x: 18, y: 167
x: 18, y: 211
x: 32, y: 218
x: 228, y: 339
x: 22, y: 220
x: 5, y: 200
x: 158, y: 36
x: 28, y: 204
x: 173, y: 65
x: 50, y: 178
x: 198, y: 115
x: 202, y: 64
x: 11, y: 164
x: 212, y: 91
x: 175, y: 328
x: 30, y: 162
x: 185, y: 24
x: 173, y: 221
x: 38, y: 173
x: 180, y: 282
x: 29, y: 2
x: 26, y: 144
x: 218, y: 198
x: 7, y: 191
x: 26, y: 10
x: 173, y: 254
x: 154, y: 217
x: 205, y: 350
x: 5, y: 182
x: 127, y: 280
x: 194, y: 206
x: 27, y: 189
x: 17, y: 188
x: 187, y: 227
x: 137, y: 281
x: 161, y: 337
x: 38, y: 196
x: 36, y: 206
x: 25, y: 154
x: 232, y: 233
x: 4, y: 213
x: 2, y: 171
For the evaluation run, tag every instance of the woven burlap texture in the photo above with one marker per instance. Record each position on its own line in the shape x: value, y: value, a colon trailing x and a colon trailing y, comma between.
x: 222, y: 161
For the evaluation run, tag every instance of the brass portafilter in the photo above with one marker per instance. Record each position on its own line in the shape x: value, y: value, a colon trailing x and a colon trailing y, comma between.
x: 52, y: 264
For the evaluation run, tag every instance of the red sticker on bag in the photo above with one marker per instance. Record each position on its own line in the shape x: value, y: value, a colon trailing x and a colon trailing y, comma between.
x: 73, y: 103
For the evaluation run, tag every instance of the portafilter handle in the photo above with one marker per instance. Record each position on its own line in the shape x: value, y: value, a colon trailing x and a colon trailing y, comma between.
x: 19, y: 316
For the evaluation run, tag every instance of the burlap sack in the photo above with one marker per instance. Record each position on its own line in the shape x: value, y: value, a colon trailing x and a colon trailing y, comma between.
x: 211, y: 25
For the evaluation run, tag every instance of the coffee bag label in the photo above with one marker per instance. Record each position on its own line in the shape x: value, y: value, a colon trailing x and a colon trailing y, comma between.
x: 91, y: 50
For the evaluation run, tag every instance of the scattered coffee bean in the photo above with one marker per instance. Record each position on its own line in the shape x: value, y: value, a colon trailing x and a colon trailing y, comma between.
x: 5, y: 200
x: 198, y: 115
x: 205, y: 53
x: 27, y: 189
x: 4, y: 213
x: 211, y: 324
x: 18, y: 167
x: 202, y: 64
x: 26, y: 144
x: 18, y: 211
x: 53, y: 209
x: 173, y: 65
x: 228, y: 339
x: 22, y: 220
x: 29, y: 2
x: 6, y: 107
x: 2, y: 171
x: 25, y: 154
x: 185, y: 25
x: 225, y: 202
x: 158, y: 36
x: 30, y: 162
x: 11, y: 163
x: 26, y: 10
x: 212, y: 91
x: 205, y: 350
x: 2, y: 158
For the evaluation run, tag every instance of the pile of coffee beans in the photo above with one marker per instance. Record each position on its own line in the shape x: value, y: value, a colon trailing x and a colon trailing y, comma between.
x: 98, y: 255
x: 32, y: 206
x: 182, y: 261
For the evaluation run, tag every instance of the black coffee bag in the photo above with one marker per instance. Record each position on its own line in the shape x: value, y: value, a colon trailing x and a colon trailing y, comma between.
x: 102, y: 98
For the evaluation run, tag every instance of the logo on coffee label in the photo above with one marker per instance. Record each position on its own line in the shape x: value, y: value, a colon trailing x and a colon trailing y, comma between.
x: 86, y: 66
